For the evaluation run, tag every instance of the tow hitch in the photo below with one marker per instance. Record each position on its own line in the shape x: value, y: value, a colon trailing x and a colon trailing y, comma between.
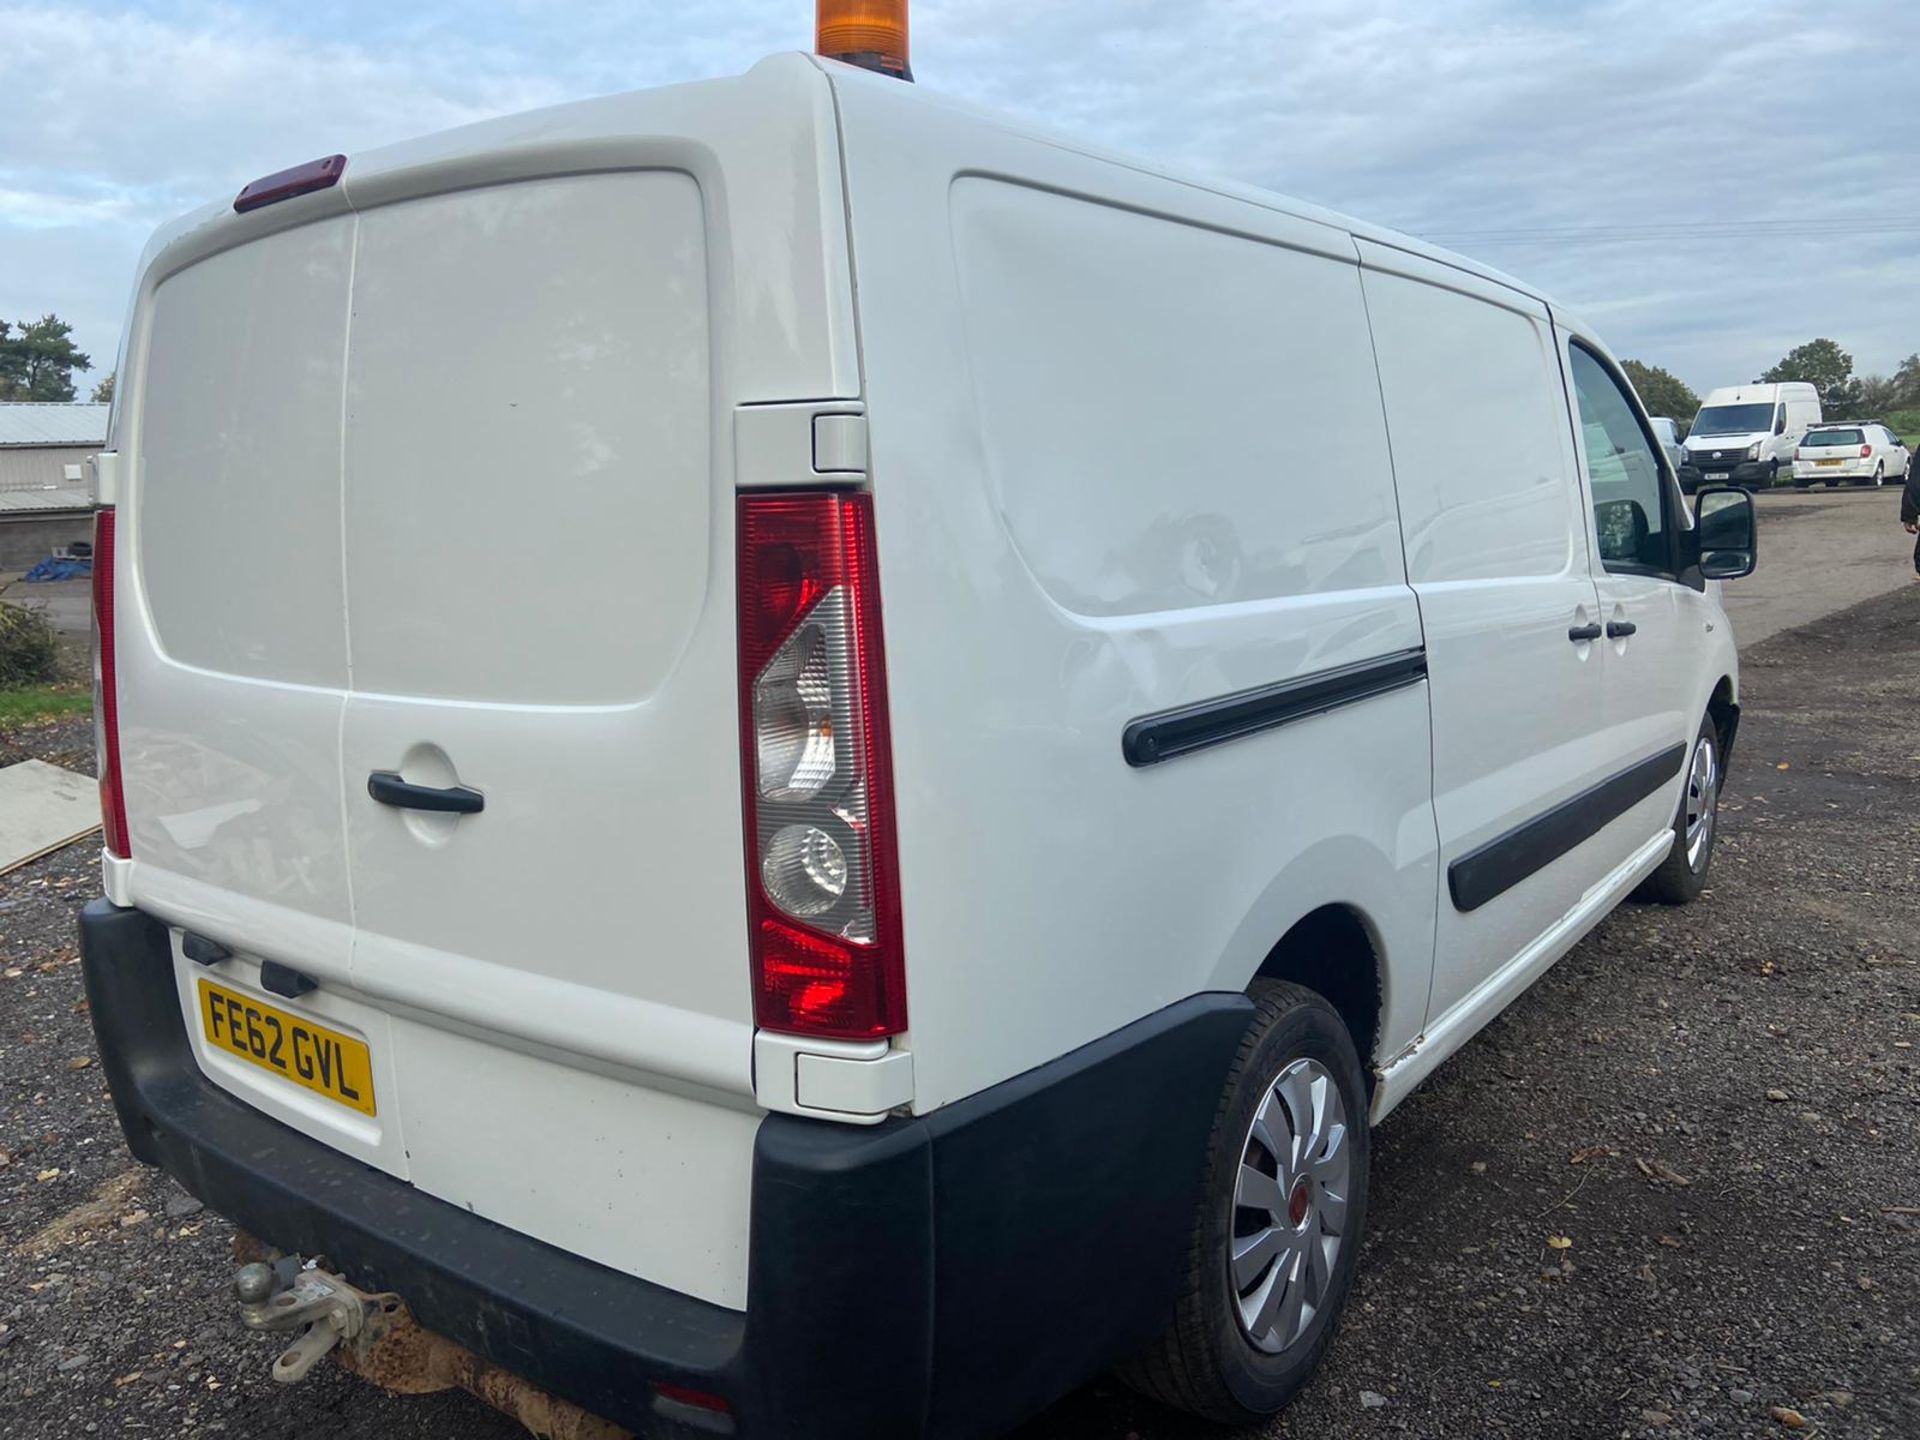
x: 287, y: 1294
x: 376, y: 1338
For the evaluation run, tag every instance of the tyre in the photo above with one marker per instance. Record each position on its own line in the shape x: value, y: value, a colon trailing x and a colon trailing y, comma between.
x: 1879, y: 476
x: 1683, y: 874
x: 1277, y: 1233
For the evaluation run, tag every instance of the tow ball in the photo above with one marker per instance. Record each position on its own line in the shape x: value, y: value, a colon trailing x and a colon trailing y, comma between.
x: 289, y: 1294
x: 375, y: 1337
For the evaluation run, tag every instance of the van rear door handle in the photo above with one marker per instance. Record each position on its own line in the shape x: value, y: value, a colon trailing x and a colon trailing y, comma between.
x: 1580, y: 634
x: 388, y: 788
x: 1620, y: 629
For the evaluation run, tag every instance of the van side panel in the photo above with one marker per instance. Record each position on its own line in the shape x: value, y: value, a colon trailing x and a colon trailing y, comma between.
x: 1128, y: 456
x: 1100, y: 403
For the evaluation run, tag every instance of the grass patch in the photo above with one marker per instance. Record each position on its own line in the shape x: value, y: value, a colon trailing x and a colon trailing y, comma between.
x: 26, y: 704
x: 1905, y: 424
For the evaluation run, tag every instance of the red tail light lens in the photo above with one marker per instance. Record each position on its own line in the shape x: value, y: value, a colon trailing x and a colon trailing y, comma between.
x: 106, y: 696
x: 823, y: 893
x: 698, y: 1399
x: 1865, y: 451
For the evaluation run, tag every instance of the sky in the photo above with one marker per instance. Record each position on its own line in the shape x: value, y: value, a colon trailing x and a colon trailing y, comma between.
x: 1708, y: 183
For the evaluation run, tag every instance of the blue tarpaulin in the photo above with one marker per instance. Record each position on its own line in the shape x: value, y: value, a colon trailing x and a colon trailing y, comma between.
x: 51, y: 569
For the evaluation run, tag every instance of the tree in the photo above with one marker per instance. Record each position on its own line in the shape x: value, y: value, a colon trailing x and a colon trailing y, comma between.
x: 1906, y: 384
x: 103, y: 392
x: 1878, y: 394
x: 38, y: 358
x: 1826, y: 367
x: 1661, y: 391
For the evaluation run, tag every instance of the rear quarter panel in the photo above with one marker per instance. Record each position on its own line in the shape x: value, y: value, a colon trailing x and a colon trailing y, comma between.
x: 1094, y: 396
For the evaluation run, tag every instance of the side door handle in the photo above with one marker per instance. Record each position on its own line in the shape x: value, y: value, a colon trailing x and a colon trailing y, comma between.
x: 388, y: 788
x: 1620, y: 629
x: 1581, y: 634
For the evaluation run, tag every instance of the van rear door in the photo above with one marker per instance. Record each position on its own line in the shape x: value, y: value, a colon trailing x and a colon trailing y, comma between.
x: 438, y: 487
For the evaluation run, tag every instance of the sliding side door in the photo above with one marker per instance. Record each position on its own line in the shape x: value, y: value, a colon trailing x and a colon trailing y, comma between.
x: 1496, y: 544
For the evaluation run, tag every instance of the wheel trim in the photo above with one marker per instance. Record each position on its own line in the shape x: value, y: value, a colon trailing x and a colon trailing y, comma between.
x: 1703, y: 793
x: 1281, y: 1272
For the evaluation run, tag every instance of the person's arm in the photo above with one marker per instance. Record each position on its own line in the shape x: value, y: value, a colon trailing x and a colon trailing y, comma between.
x: 1910, y: 499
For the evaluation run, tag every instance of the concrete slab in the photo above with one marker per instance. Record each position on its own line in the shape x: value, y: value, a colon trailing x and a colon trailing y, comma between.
x: 42, y: 807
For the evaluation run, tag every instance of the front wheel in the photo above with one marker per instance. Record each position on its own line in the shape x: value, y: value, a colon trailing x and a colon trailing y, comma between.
x: 1683, y: 874
x: 1277, y: 1234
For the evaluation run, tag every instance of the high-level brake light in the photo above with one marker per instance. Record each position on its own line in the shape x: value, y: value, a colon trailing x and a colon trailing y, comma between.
x: 869, y: 33
x: 823, y: 889
x: 319, y: 174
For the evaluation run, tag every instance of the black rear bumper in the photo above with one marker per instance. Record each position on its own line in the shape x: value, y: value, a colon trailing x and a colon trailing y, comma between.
x: 947, y: 1275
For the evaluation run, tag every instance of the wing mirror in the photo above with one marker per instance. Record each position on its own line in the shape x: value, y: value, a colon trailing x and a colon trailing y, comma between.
x: 1725, y: 532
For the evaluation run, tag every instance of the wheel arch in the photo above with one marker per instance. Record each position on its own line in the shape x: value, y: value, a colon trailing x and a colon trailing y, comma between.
x: 1723, y: 706
x: 1334, y: 951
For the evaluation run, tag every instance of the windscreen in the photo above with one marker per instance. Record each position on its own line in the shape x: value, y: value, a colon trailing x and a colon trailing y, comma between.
x: 1733, y: 419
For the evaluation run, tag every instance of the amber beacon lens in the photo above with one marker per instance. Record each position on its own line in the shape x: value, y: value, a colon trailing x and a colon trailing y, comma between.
x: 870, y: 33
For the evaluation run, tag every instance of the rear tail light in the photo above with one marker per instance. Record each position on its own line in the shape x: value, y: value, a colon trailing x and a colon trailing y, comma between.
x: 1865, y: 451
x: 698, y: 1399
x: 106, y: 696
x: 823, y: 893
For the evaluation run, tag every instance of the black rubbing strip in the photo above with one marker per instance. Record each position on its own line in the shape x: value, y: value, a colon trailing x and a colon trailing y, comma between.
x: 1181, y: 731
x: 1499, y: 865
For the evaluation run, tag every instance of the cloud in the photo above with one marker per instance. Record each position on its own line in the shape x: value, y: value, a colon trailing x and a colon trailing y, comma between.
x: 1710, y: 182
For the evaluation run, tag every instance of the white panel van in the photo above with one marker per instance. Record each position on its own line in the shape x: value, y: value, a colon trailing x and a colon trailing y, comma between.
x: 1746, y: 434
x: 743, y: 757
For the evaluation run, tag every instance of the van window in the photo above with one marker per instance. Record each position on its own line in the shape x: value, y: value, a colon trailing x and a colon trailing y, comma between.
x: 1780, y: 419
x: 1732, y: 419
x: 1629, y: 493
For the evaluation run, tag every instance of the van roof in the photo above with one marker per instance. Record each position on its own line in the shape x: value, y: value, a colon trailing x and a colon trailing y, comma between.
x: 1212, y: 184
x: 771, y: 81
x: 1757, y: 392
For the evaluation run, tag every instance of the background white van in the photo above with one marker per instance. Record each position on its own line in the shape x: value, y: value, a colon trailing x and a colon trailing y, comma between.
x: 744, y: 755
x: 1746, y: 434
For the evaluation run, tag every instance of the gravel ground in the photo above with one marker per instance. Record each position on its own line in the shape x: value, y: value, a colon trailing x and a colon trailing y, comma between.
x: 1718, y: 1107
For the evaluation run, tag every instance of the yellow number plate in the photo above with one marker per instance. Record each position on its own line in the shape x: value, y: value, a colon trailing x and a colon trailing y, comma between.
x: 290, y: 1046
x: 1826, y: 462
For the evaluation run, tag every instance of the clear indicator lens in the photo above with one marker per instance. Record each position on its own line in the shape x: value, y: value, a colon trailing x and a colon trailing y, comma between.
x: 804, y: 870
x: 793, y: 708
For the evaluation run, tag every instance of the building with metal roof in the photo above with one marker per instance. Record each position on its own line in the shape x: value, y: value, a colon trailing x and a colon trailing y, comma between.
x: 36, y: 424
x: 46, y: 498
